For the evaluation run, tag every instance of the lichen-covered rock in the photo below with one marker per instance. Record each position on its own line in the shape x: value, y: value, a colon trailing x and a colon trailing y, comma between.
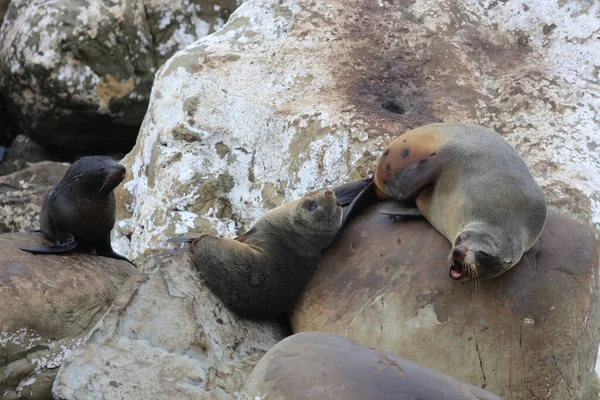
x: 167, y: 336
x: 78, y: 73
x: 47, y: 304
x: 532, y: 332
x: 22, y: 152
x: 295, y: 95
x: 316, y: 365
x: 22, y: 193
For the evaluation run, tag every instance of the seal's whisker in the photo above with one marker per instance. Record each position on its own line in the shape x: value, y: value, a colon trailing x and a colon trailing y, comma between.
x: 103, y: 185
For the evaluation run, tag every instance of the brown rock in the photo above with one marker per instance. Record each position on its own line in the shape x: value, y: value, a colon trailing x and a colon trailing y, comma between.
x: 47, y: 304
x: 530, y: 333
x: 22, y: 193
x: 325, y: 366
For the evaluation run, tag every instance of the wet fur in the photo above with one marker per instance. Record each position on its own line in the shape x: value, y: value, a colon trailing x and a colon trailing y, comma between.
x: 471, y: 185
x: 260, y: 274
x: 78, y: 213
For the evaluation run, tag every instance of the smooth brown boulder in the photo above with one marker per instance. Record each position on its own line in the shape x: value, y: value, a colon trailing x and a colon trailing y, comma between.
x: 533, y: 332
x: 47, y: 305
x: 316, y: 365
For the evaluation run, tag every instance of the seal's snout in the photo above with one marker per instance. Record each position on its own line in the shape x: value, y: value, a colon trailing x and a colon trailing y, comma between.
x: 117, y: 171
x: 329, y: 194
x: 459, y: 270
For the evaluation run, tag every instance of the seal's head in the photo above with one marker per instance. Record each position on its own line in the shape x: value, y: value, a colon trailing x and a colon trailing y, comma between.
x: 94, y: 175
x: 482, y: 253
x: 319, y: 217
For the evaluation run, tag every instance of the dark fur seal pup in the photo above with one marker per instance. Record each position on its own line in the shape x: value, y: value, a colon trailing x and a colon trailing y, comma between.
x: 470, y: 184
x: 260, y: 273
x: 79, y: 211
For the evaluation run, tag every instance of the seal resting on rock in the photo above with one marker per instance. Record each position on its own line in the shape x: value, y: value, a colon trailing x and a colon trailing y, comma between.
x: 470, y: 184
x: 260, y: 273
x: 79, y: 211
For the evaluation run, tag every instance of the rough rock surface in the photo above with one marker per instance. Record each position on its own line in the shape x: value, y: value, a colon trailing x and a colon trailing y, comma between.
x: 22, y: 152
x: 325, y: 366
x: 532, y: 332
x: 78, y: 73
x: 167, y: 336
x: 47, y: 304
x: 295, y: 95
x: 22, y: 193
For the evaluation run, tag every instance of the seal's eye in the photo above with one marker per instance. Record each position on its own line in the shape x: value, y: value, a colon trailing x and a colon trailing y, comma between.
x: 311, y: 206
x: 483, y: 254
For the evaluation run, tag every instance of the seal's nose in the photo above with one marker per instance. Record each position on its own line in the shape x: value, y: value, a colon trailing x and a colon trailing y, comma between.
x: 328, y: 193
x: 459, y: 253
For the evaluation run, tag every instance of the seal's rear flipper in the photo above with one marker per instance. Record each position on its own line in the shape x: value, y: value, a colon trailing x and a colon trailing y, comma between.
x: 346, y: 193
x: 57, y: 249
x: 401, y: 211
x: 181, y: 239
x: 365, y: 198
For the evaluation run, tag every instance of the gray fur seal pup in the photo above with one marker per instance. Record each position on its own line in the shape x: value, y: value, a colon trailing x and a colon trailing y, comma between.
x: 470, y: 184
x: 260, y: 273
x: 78, y: 213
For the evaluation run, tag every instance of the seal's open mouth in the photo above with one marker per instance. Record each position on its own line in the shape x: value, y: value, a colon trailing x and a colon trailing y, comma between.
x: 458, y: 272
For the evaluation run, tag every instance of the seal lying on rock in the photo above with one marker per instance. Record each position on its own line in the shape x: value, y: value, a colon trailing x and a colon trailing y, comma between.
x: 470, y: 184
x: 79, y: 211
x: 260, y: 273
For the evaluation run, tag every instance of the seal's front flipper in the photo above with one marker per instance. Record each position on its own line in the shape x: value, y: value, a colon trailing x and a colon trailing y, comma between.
x: 56, y: 249
x: 182, y: 239
x: 414, y: 178
x: 104, y: 249
x: 116, y: 256
x: 346, y: 193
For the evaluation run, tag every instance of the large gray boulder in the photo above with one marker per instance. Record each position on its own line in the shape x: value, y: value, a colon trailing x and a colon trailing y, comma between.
x: 48, y: 303
x: 295, y: 95
x: 315, y: 365
x: 166, y: 336
x: 532, y: 332
x: 77, y: 74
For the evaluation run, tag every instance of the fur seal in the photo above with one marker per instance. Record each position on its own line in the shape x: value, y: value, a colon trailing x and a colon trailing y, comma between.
x: 260, y: 273
x: 79, y: 210
x: 470, y: 184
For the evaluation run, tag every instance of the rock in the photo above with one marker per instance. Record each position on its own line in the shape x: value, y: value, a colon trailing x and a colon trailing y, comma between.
x: 167, y: 336
x: 78, y: 74
x: 295, y: 95
x: 22, y: 152
x: 47, y: 304
x: 533, y: 332
x: 321, y: 365
x: 22, y: 193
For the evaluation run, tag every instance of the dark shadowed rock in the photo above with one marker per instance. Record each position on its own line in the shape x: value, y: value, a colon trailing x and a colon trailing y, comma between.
x: 22, y: 193
x: 47, y: 304
x: 325, y: 366
x: 533, y: 332
x: 77, y: 74
x: 22, y: 152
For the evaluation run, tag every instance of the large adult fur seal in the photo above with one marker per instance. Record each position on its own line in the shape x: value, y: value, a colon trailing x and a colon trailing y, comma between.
x: 78, y: 213
x: 470, y: 184
x: 260, y: 273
